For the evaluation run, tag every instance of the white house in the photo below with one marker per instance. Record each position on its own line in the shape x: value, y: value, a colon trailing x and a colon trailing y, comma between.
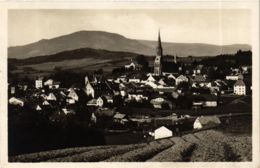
x: 39, y: 83
x: 180, y: 79
x: 171, y: 77
x: 120, y: 118
x: 49, y: 82
x: 150, y: 79
x: 73, y: 95
x: 51, y: 96
x: 100, y: 102
x: 206, y: 122
x: 45, y: 103
x: 68, y: 111
x: 16, y: 101
x: 131, y: 65
x: 234, y: 77
x: 137, y: 97
x: 210, y: 100
x: 38, y: 108
x: 240, y: 88
x: 134, y: 80
x: 96, y: 102
x: 12, y: 90
x: 92, y: 102
x: 90, y: 90
x: 159, y: 101
x: 151, y: 84
x: 162, y: 132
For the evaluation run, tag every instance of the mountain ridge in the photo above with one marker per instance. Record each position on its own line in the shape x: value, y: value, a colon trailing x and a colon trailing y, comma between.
x: 116, y: 42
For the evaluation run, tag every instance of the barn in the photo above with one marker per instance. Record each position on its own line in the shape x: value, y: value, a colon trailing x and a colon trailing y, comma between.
x: 162, y: 132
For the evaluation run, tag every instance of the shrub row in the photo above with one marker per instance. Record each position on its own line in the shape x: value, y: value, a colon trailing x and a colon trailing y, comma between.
x: 46, y: 155
x: 98, y: 154
x: 145, y: 153
x: 177, y: 153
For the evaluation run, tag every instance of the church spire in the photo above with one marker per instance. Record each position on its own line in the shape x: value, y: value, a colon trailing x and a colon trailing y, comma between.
x: 159, y: 45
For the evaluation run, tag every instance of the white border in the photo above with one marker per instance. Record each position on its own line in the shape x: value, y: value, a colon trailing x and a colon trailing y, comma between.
x: 253, y: 5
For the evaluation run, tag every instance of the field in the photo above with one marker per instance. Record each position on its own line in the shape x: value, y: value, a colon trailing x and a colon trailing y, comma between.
x: 207, y: 145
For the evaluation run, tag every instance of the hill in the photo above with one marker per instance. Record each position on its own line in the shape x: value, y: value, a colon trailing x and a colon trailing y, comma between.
x: 76, y: 54
x: 209, y: 145
x: 116, y: 42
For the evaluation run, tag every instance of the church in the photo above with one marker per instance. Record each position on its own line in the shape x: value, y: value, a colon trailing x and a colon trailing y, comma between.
x: 158, y: 62
x: 158, y: 58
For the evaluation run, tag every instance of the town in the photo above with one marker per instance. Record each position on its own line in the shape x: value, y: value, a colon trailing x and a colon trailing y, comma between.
x: 156, y: 98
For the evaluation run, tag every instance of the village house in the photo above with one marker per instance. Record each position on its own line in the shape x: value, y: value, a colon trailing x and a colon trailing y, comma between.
x: 12, y: 89
x: 45, y: 103
x: 38, y: 108
x: 171, y: 76
x: 90, y: 90
x: 234, y: 77
x: 67, y: 111
x: 181, y: 78
x: 240, y: 88
x: 39, y: 83
x: 131, y: 66
x: 137, y: 97
x: 209, y: 100
x: 197, y: 69
x: 99, y: 102
x: 16, y: 101
x: 162, y: 132
x: 120, y: 118
x: 51, y: 97
x: 73, y: 96
x: 159, y: 102
x: 199, y: 79
x: 205, y: 122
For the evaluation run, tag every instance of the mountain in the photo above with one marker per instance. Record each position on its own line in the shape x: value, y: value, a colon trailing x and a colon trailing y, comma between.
x: 197, y: 49
x: 116, y: 42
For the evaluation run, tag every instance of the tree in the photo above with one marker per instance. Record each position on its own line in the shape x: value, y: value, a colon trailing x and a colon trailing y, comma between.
x: 184, y: 86
x: 140, y: 59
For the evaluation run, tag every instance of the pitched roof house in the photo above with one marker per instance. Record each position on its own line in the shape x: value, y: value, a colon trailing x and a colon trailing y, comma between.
x: 16, y: 101
x: 206, y: 122
x: 162, y: 132
x: 180, y: 79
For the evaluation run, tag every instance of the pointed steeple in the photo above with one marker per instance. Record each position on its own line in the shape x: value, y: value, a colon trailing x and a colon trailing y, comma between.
x: 159, y: 45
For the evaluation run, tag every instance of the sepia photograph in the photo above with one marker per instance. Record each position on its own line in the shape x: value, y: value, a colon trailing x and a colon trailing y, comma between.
x: 130, y: 85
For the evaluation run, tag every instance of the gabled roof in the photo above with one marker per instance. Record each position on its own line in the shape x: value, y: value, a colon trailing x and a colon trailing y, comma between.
x: 119, y: 116
x: 199, y: 78
x: 182, y: 77
x: 208, y: 120
x: 92, y: 101
x: 239, y: 83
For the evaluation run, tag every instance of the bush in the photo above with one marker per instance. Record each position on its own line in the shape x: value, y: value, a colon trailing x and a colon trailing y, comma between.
x: 142, y: 154
x: 98, y: 154
x: 177, y: 153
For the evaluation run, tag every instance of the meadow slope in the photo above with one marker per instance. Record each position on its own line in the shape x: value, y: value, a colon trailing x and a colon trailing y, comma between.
x: 208, y: 145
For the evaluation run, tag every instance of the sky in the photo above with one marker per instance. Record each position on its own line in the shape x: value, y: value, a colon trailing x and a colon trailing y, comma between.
x: 213, y: 26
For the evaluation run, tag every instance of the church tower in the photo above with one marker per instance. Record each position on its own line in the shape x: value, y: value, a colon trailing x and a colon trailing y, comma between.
x: 158, y: 58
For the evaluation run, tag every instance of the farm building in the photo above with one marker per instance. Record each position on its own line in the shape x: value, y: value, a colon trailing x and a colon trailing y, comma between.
x: 16, y: 101
x: 162, y: 132
x: 206, y: 122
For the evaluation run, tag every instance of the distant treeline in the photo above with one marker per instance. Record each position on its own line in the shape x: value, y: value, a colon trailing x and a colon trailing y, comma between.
x: 238, y: 59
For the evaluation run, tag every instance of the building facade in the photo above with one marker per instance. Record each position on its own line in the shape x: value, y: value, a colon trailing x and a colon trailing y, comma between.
x: 240, y: 88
